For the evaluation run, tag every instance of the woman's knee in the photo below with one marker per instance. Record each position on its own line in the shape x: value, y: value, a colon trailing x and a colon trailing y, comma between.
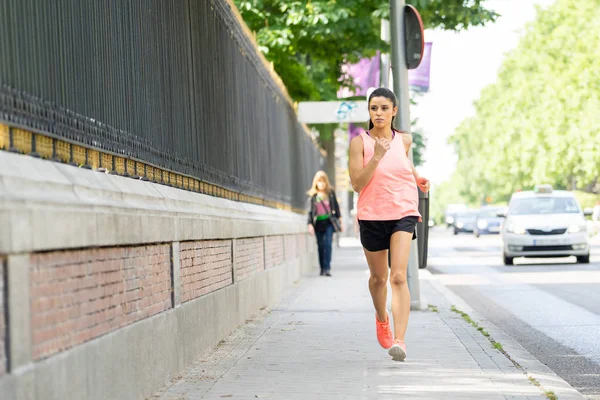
x: 398, y: 278
x: 379, y: 279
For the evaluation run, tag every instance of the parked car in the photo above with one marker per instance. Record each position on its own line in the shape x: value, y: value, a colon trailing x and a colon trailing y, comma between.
x: 545, y: 223
x: 465, y: 221
x: 451, y: 211
x: 596, y: 213
x: 488, y: 221
x: 594, y: 222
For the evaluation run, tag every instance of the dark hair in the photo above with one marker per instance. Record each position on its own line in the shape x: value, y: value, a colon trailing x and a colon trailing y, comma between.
x: 388, y: 94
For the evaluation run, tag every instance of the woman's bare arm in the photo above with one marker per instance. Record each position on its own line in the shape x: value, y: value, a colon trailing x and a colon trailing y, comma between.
x: 360, y: 176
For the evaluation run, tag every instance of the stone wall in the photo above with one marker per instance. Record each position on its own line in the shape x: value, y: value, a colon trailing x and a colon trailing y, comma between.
x: 110, y: 286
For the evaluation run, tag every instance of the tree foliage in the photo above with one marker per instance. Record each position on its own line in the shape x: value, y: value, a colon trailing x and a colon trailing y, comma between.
x: 419, y: 144
x: 419, y: 139
x: 308, y: 41
x: 540, y: 122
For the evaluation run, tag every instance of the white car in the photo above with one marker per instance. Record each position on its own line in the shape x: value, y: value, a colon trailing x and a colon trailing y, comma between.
x: 545, y: 223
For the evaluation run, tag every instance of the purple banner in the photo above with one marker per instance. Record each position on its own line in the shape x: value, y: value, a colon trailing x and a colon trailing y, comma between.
x: 365, y: 74
x: 418, y: 78
x: 354, y: 131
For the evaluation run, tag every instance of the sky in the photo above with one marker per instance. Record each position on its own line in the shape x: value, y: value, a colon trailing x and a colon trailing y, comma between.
x: 462, y: 64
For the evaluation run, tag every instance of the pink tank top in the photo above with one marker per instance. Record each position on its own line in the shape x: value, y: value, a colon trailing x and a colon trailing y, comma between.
x: 392, y: 192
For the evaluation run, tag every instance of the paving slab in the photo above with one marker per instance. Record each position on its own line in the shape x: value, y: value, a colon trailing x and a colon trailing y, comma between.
x: 319, y: 343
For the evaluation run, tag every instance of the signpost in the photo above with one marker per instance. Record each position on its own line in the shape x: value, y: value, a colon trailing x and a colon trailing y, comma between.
x: 414, y: 41
x: 407, y: 33
x: 327, y: 112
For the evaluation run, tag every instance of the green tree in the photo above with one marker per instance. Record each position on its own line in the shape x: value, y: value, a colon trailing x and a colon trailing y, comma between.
x: 442, y: 194
x: 539, y: 123
x: 308, y: 41
x: 419, y: 143
x: 419, y: 139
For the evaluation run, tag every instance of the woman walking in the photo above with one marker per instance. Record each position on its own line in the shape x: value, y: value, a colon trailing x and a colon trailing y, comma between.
x: 387, y: 209
x: 323, y: 207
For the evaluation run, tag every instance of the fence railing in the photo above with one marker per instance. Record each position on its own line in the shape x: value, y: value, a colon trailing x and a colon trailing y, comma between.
x: 171, y: 91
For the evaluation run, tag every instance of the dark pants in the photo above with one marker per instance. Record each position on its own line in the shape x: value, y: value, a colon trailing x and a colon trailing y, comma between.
x: 324, y: 239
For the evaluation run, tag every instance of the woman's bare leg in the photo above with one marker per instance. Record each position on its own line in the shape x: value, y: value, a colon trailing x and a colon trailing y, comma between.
x: 378, y: 265
x: 400, y: 251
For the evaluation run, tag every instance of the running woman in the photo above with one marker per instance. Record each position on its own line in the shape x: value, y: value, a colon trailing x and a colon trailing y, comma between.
x: 388, y: 212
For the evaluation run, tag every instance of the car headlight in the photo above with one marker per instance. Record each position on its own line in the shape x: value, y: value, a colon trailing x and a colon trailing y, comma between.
x: 517, y: 230
x: 460, y: 225
x: 576, y: 228
x: 450, y: 220
x: 482, y: 224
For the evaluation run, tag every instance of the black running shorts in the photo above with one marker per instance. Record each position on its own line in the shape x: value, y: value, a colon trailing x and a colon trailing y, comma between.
x: 376, y: 235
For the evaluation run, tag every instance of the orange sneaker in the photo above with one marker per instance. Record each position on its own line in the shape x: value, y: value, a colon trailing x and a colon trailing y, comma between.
x: 384, y: 333
x: 398, y: 350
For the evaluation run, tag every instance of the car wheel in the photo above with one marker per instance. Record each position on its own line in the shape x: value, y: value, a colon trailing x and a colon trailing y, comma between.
x: 455, y: 231
x: 477, y: 234
x: 583, y: 259
x: 508, y: 260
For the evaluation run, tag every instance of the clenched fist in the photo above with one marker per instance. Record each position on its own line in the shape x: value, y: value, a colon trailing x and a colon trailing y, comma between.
x: 381, y: 147
x: 423, y: 184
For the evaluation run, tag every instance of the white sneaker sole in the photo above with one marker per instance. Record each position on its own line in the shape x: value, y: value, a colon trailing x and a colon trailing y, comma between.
x: 397, y: 353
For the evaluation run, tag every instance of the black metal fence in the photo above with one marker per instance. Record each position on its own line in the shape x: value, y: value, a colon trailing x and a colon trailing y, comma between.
x: 177, y: 84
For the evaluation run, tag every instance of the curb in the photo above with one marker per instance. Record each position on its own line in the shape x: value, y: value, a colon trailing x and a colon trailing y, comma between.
x: 526, y: 362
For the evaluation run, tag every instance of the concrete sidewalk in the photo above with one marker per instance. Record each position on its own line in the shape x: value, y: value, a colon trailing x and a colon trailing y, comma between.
x: 320, y: 343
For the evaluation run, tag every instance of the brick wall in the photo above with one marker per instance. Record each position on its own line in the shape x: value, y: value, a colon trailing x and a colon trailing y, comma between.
x: 302, y: 243
x: 274, y: 251
x: 79, y: 295
x: 205, y: 267
x: 291, y: 247
x: 2, y: 321
x: 249, y: 257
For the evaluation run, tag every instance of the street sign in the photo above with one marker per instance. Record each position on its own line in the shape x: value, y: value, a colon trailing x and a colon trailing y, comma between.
x: 327, y: 112
x: 414, y: 37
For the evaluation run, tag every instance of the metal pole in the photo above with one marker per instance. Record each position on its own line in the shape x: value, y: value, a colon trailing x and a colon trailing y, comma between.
x: 385, y: 58
x: 400, y: 78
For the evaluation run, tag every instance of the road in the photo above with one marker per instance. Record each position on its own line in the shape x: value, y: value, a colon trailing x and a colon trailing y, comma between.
x: 550, y: 306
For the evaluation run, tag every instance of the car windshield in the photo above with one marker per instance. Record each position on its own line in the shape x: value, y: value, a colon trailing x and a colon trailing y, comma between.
x: 456, y: 208
x: 466, y: 215
x: 489, y: 213
x: 544, y: 205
